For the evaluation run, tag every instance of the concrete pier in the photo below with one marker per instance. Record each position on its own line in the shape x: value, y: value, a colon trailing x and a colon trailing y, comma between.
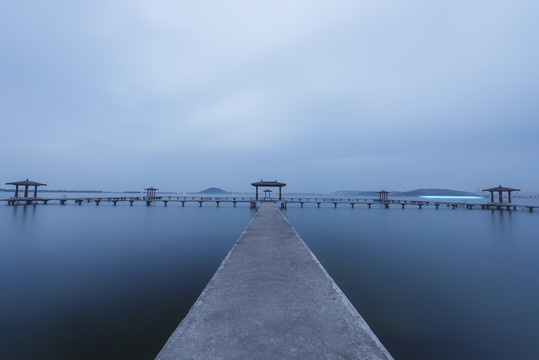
x: 272, y: 299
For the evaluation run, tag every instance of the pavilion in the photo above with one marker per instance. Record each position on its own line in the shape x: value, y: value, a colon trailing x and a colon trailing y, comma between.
x: 150, y: 192
x: 26, y: 183
x: 267, y: 194
x: 500, y: 190
x: 383, y: 195
x: 263, y: 183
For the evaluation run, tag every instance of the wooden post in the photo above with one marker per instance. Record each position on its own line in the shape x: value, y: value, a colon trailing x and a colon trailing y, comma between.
x: 509, y: 196
x: 16, y: 191
x: 25, y: 191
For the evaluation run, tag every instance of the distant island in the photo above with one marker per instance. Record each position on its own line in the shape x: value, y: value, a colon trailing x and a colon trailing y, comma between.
x: 435, y: 192
x: 417, y: 192
x: 213, y: 190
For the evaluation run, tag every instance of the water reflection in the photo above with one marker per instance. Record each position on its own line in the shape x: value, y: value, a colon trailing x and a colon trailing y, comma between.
x: 446, y: 284
x: 90, y: 281
x: 102, y: 281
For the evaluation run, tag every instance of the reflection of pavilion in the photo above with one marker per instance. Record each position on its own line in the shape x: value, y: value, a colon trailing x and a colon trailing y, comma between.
x: 263, y: 183
x: 26, y: 183
x: 500, y: 190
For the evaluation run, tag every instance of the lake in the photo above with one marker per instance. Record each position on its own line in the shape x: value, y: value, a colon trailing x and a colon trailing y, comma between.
x: 107, y: 281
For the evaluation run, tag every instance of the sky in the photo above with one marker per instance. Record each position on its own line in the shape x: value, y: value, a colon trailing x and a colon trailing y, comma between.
x: 322, y: 95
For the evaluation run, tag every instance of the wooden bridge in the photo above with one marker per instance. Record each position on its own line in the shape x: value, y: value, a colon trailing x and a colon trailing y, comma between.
x: 283, y: 203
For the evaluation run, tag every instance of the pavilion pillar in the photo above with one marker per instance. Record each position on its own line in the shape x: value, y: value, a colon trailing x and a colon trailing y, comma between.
x: 35, y: 191
x: 509, y: 196
x: 16, y: 191
x: 500, y: 197
x: 256, y: 193
x: 25, y: 191
x: 492, y: 196
x: 280, y: 192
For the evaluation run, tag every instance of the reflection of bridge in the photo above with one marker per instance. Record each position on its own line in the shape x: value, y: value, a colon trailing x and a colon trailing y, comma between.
x: 301, y: 202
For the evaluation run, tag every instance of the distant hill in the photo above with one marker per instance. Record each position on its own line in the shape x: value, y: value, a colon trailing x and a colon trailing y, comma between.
x: 213, y: 190
x: 434, y: 192
x: 417, y: 192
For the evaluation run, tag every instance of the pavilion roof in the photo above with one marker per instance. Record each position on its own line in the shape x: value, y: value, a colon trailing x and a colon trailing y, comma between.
x: 151, y: 188
x: 383, y: 192
x: 26, y: 182
x: 501, y: 188
x: 267, y: 190
x: 268, y: 183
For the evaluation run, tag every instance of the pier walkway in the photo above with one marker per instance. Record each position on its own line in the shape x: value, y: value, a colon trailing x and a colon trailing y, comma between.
x: 284, y: 202
x: 272, y: 299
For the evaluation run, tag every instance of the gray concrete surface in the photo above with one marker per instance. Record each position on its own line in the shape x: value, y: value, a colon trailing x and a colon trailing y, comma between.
x: 272, y: 299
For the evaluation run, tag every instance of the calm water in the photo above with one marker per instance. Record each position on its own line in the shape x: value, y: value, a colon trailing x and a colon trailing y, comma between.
x: 90, y: 281
x: 104, y: 282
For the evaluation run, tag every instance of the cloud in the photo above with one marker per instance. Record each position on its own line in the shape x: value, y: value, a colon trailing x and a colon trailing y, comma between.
x: 338, y: 84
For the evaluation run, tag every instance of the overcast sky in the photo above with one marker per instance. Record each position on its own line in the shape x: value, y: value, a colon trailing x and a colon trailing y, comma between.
x: 322, y: 95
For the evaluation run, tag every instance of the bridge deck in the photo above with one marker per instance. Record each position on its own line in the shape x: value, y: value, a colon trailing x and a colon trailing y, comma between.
x: 272, y: 299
